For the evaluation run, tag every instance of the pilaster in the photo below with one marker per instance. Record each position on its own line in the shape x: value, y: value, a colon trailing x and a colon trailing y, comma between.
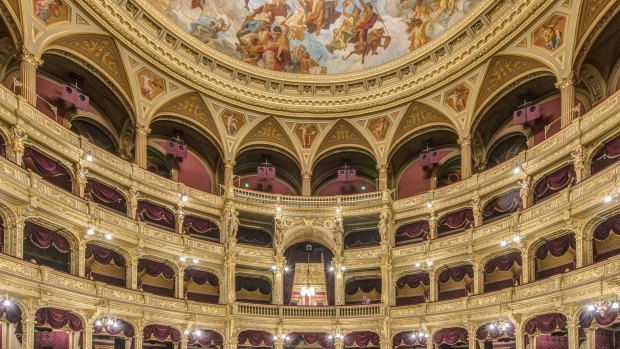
x: 306, y: 183
x: 466, y: 167
x: 278, y: 276
x: 28, y: 334
x: 87, y: 338
x: 140, y: 156
x: 383, y: 175
x: 29, y: 63
x: 339, y: 280
x: 81, y: 259
x: 566, y: 85
x: 229, y: 165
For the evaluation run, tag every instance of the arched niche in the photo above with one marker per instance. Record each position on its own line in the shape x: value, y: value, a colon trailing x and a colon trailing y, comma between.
x: 252, y: 288
x: 49, y: 246
x: 326, y: 180
x: 505, y: 148
x: 107, y: 264
x: 287, y: 180
x: 309, y: 265
x: 157, y: 276
x: 201, y: 286
x: 410, y: 175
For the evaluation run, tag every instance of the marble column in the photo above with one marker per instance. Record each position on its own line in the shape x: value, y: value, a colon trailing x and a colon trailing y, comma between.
x: 141, y: 145
x: 466, y: 168
x: 229, y: 165
x: 306, y: 183
x: 383, y: 175
x: 566, y: 85
x: 29, y: 63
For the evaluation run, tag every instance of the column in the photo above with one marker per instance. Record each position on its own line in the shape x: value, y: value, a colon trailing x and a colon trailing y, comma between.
x: 278, y: 280
x: 131, y: 274
x: 183, y: 343
x: 384, y: 342
x: 137, y: 340
x: 525, y: 266
x: 28, y: 75
x: 14, y: 238
x: 579, y: 250
x: 229, y: 165
x: 387, y: 288
x: 383, y: 173
x: 179, y: 284
x: 179, y: 216
x: 591, y: 337
x: 573, y: 335
x: 338, y: 343
x: 140, y: 157
x: 588, y: 250
x: 306, y: 183
x: 339, y: 280
x: 429, y: 343
x: 4, y: 328
x: 472, y: 340
x: 88, y: 338
x: 279, y: 343
x: 432, y: 286
x: 566, y: 86
x: 229, y: 274
x: 519, y: 342
x: 579, y: 162
x: 465, y: 143
x: 28, y: 334
x: 532, y: 341
x: 81, y: 259
x: 432, y: 226
x: 478, y: 279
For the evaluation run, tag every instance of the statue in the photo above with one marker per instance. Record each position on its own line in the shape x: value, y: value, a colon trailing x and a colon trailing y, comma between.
x: 278, y: 232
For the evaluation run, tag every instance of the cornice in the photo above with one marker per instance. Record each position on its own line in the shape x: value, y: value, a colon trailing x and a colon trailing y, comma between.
x: 318, y: 98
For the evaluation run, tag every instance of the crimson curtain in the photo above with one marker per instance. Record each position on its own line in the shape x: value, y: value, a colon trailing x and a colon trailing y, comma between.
x: 206, y: 338
x: 556, y: 247
x: 412, y: 232
x: 502, y: 206
x: 161, y: 333
x: 252, y: 284
x: 201, y: 228
x: 309, y: 338
x: 254, y: 236
x: 105, y: 196
x: 47, y: 168
x: 44, y: 238
x: 554, y: 182
x: 406, y: 339
x: 156, y: 214
x: 200, y: 277
x: 255, y: 338
x: 12, y: 312
x: 364, y: 285
x: 457, y: 274
x: 362, y: 238
x: 605, y: 318
x: 58, y: 319
x: 503, y: 263
x: 122, y: 327
x: 606, y: 155
x: 602, y: 231
x: 361, y: 339
x: 450, y: 336
x: 413, y: 281
x: 156, y: 269
x: 604, y: 339
x: 105, y: 256
x: 455, y: 222
x: 546, y: 324
x: 486, y: 333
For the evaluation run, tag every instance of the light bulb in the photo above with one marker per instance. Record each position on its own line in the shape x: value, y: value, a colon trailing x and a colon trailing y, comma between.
x: 278, y: 209
x: 110, y: 322
x: 492, y: 326
x: 273, y: 267
x: 186, y: 332
x: 417, y: 264
x: 429, y: 205
x: 413, y: 335
x: 614, y: 305
x: 115, y: 324
x: 90, y: 231
x: 429, y: 263
x: 330, y: 336
x: 517, y: 238
x: 98, y: 323
x: 607, y: 198
x: 184, y: 198
x: 195, y: 261
x: 591, y: 307
x: 331, y: 268
x: 88, y: 157
x: 517, y: 169
x: 426, y: 335
x: 503, y: 243
x: 338, y: 210
x: 183, y: 258
x: 108, y: 236
x: 198, y: 332
x: 343, y: 268
x: 286, y: 268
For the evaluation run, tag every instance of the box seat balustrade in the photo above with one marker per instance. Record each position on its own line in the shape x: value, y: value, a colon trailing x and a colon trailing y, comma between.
x: 68, y: 148
x: 20, y: 186
x: 27, y: 281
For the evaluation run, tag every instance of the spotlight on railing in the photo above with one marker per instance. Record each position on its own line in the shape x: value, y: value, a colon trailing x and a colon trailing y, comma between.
x: 517, y: 169
x: 184, y: 198
x: 429, y: 205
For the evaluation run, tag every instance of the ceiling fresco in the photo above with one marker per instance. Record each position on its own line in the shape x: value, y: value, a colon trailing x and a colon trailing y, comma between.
x: 315, y: 36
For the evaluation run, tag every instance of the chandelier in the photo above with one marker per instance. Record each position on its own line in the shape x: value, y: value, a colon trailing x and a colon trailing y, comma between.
x: 501, y: 325
x: 98, y: 234
x: 6, y: 302
x: 614, y: 194
x: 193, y: 332
x: 514, y: 240
x: 337, y: 335
x: 107, y: 320
x: 419, y: 335
x: 602, y: 306
x: 425, y: 264
x: 308, y: 290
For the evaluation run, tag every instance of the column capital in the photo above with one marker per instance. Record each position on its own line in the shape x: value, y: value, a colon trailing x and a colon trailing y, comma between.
x: 567, y: 81
x: 464, y: 141
x: 383, y: 168
x: 142, y: 130
x: 230, y: 163
x: 306, y: 175
x: 26, y: 56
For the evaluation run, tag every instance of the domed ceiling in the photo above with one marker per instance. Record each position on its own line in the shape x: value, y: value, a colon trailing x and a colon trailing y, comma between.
x: 315, y: 36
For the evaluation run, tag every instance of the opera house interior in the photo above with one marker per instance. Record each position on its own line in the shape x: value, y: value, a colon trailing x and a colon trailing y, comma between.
x: 290, y: 174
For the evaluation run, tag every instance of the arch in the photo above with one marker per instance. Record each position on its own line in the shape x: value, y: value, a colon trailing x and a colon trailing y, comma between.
x: 549, y: 272
x: 448, y: 170
x: 110, y: 258
x: 83, y: 320
x: 317, y: 234
x: 608, y: 157
x: 501, y: 140
x: 325, y: 169
x: 70, y: 237
x: 419, y: 116
x: 288, y: 168
x: 343, y: 133
x: 270, y: 131
x: 96, y: 122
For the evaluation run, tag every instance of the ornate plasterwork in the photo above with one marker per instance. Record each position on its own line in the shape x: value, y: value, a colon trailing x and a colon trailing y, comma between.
x: 418, y: 115
x: 270, y: 94
x: 269, y: 130
x: 101, y: 51
x: 193, y: 107
x: 503, y: 69
x: 343, y: 133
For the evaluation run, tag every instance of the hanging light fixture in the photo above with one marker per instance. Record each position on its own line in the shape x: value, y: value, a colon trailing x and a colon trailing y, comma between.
x: 308, y: 290
x: 6, y: 302
x: 602, y: 306
x: 419, y: 335
x: 501, y: 324
x: 107, y: 320
x: 425, y: 264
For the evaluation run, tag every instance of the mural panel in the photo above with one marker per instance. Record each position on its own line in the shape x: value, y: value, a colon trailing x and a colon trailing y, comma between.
x: 379, y: 127
x: 315, y: 36
x: 151, y: 84
x: 306, y: 133
x: 233, y: 121
x: 550, y: 34
x: 51, y: 11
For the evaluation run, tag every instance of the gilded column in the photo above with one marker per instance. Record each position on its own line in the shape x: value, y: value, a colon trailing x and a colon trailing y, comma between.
x: 383, y: 173
x: 132, y: 274
x: 4, y: 332
x: 28, y: 75
x: 179, y: 282
x: 179, y: 217
x: 579, y: 249
x: 183, y: 343
x: 465, y: 143
x: 28, y: 334
x: 519, y: 342
x: 478, y: 279
x: 306, y: 183
x: 525, y: 266
x: 386, y: 280
x: 566, y: 86
x: 140, y: 148
x: 138, y: 340
x: 339, y: 280
x: 338, y: 343
x: 384, y: 342
x: 278, y: 280
x: 87, y: 337
x: 590, y: 338
x: 229, y: 165
x: 279, y: 343
x: 573, y: 335
x: 81, y: 259
x: 432, y: 226
x: 230, y: 262
x: 432, y: 286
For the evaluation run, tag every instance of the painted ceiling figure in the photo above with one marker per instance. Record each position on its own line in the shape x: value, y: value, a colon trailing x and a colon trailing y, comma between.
x: 320, y: 14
